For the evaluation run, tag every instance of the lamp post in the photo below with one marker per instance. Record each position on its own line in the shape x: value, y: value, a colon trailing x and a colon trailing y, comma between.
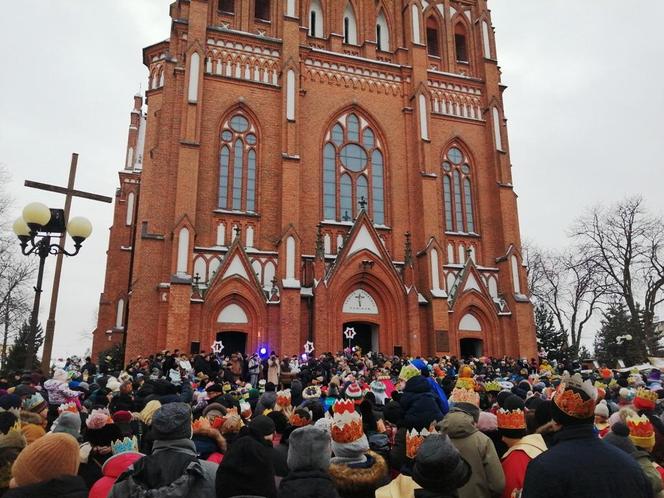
x: 35, y: 229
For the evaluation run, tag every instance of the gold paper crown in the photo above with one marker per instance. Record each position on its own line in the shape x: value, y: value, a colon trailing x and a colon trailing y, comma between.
x: 640, y: 426
x: 571, y: 402
x: 647, y: 394
x: 465, y: 383
x: 346, y: 422
x: 460, y: 395
x: 492, y: 386
x: 511, y: 419
x: 414, y: 440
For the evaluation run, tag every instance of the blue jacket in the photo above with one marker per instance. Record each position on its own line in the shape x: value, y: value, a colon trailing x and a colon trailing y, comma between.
x: 580, y: 465
x: 420, y: 404
x: 440, y: 395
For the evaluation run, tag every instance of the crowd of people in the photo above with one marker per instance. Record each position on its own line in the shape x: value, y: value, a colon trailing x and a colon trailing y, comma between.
x: 340, y: 426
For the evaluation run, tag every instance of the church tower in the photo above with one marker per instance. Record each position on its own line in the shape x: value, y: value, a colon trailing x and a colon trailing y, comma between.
x: 305, y: 167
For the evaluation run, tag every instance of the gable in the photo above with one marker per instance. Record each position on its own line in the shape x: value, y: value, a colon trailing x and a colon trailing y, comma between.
x: 364, y: 240
x: 235, y: 267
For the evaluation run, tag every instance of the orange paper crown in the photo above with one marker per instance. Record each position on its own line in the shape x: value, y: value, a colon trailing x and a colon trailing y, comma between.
x: 414, y: 440
x: 511, y: 419
x: 346, y: 422
x: 284, y: 398
x: 572, y: 403
x: 68, y: 407
x: 297, y: 420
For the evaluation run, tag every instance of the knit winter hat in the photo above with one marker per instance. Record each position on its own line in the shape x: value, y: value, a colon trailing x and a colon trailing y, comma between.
x: 49, y: 457
x: 619, y: 437
x: 602, y: 409
x: 148, y: 412
x: 172, y: 421
x: 214, y: 410
x: 311, y: 392
x: 378, y: 388
x: 9, y: 401
x: 69, y: 423
x: 263, y: 425
x: 309, y: 449
x: 438, y: 465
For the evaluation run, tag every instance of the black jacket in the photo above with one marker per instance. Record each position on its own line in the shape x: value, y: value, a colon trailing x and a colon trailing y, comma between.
x: 62, y: 487
x: 307, y: 484
x: 580, y: 465
x: 419, y: 404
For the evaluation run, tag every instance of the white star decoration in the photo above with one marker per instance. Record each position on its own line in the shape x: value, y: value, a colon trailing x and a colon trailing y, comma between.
x: 349, y: 333
x: 217, y: 347
x: 309, y: 347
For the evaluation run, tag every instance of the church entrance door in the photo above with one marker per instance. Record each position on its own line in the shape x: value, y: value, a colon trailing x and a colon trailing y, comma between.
x: 366, y: 336
x: 471, y: 347
x: 234, y: 342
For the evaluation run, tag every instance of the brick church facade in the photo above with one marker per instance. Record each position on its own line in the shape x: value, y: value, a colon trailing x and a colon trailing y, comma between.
x: 305, y: 166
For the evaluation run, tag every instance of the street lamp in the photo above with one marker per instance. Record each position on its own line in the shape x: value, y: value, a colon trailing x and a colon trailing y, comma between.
x: 35, y: 229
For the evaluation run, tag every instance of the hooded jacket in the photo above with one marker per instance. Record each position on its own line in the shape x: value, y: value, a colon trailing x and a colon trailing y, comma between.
x: 307, y: 484
x: 112, y: 469
x: 477, y: 449
x: 172, y: 471
x: 62, y: 487
x: 420, y: 404
x: 360, y: 480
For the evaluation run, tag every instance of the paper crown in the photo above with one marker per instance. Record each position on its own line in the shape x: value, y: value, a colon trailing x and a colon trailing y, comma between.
x: 645, y: 398
x: 284, y: 398
x: 35, y: 403
x: 354, y: 392
x: 68, y: 407
x: 465, y: 383
x: 511, y: 419
x: 124, y: 445
x: 346, y: 422
x: 492, y: 387
x: 204, y: 423
x: 408, y: 372
x: 414, y: 440
x: 98, y: 418
x: 461, y: 395
x: 245, y: 409
x: 641, y: 431
x: 300, y: 417
x: 570, y: 402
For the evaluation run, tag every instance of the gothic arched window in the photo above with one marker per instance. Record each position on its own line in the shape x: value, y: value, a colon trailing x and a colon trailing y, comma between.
x: 382, y: 32
x: 353, y: 171
x: 460, y: 43
x: 350, y: 25
x: 315, y: 19
x: 433, y: 39
x: 238, y: 164
x: 458, y: 192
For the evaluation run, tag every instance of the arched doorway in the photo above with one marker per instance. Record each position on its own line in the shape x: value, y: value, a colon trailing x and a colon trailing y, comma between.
x: 366, y: 336
x: 234, y: 342
x: 471, y: 347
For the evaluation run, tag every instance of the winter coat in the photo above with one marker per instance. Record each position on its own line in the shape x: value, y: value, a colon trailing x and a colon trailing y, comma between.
x: 111, y: 470
x: 360, y: 480
x: 420, y: 404
x: 273, y: 371
x: 62, y: 487
x: 91, y: 469
x: 579, y: 465
x: 402, y: 486
x: 172, y: 471
x: 645, y: 461
x: 307, y: 484
x: 477, y: 449
x: 11, y: 445
x: 59, y: 392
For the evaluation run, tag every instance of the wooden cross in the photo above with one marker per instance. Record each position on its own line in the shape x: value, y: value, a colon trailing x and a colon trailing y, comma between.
x: 69, y: 192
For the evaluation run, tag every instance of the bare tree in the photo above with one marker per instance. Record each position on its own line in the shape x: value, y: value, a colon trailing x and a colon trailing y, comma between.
x: 16, y: 273
x: 570, y: 286
x: 626, y: 243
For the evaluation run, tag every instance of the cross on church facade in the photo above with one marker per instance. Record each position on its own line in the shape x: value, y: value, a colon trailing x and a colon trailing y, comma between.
x: 69, y: 192
x: 358, y: 296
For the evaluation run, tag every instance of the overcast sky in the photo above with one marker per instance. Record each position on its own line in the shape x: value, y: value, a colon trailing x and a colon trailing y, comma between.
x: 584, y: 108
